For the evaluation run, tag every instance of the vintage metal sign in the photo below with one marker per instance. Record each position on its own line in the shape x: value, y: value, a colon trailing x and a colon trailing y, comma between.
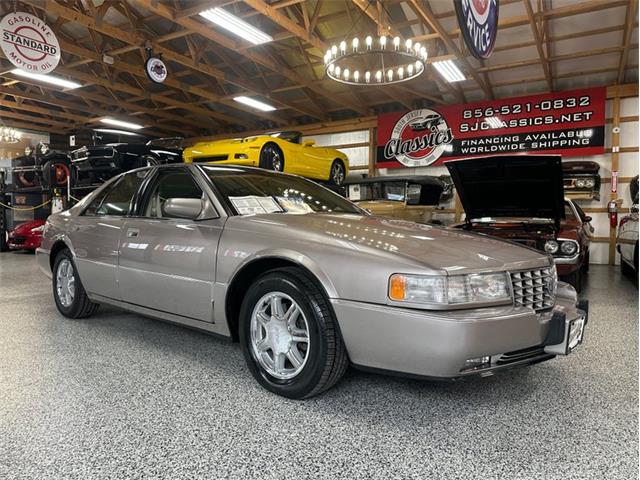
x: 29, y: 43
x: 478, y: 21
x: 156, y: 69
x: 568, y: 123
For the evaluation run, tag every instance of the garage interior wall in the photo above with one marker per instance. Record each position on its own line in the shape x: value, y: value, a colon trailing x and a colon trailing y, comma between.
x: 357, y: 145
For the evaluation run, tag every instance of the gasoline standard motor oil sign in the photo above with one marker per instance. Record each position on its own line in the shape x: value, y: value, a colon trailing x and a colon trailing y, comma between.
x: 29, y: 43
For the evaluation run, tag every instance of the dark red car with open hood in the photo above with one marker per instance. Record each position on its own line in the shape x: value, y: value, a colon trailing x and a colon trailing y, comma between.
x: 521, y: 198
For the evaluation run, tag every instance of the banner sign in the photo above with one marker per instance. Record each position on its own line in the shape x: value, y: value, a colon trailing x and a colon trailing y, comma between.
x: 478, y: 22
x: 29, y: 43
x: 567, y: 123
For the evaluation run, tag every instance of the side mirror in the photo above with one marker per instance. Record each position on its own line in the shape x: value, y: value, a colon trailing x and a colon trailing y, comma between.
x: 634, y: 208
x: 189, y: 208
x: 308, y: 143
x: 587, y: 218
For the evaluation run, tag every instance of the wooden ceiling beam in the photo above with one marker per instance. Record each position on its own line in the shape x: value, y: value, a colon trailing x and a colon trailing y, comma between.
x: 632, y: 12
x: 538, y: 39
x: 31, y: 126
x: 211, y: 34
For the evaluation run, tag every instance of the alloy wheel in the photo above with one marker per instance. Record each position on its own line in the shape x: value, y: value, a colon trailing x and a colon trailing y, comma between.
x: 279, y: 335
x: 337, y: 173
x: 65, y: 283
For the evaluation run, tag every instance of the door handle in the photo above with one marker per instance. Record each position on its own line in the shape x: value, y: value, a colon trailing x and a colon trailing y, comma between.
x: 132, y: 232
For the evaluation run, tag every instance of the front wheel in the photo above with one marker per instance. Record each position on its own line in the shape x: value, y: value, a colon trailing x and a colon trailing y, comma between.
x: 272, y: 158
x: 69, y: 294
x: 338, y: 173
x: 289, y: 337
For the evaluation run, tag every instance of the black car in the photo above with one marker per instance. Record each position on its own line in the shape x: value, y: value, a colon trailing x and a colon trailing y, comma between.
x: 41, y: 168
x: 96, y: 164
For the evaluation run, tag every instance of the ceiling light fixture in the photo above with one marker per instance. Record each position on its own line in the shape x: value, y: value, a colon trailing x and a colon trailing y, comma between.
x: 252, y: 102
x: 60, y: 82
x: 117, y: 132
x: 449, y: 71
x: 390, y: 61
x: 236, y: 25
x: 9, y: 135
x: 120, y: 123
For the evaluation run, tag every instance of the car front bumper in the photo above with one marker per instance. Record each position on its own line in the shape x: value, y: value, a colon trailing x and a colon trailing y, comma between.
x: 438, y: 344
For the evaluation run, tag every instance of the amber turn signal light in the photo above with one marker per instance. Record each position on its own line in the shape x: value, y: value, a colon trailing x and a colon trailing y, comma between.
x: 397, y: 287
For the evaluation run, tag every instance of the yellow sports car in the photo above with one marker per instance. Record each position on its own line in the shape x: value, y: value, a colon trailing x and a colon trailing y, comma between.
x: 282, y: 151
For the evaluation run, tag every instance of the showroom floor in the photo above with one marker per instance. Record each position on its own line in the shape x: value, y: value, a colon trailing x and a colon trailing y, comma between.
x: 122, y: 396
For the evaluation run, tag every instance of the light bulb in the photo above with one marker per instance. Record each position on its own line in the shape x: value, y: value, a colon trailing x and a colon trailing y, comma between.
x: 367, y: 76
x: 401, y: 72
x: 408, y: 44
x: 416, y: 46
x: 410, y: 69
x: 332, y: 67
x: 390, y: 75
x: 423, y: 53
x: 368, y: 41
x: 356, y: 75
x: 396, y: 43
x: 343, y: 46
x: 334, y: 51
x: 355, y: 44
x: 383, y: 42
x: 346, y: 74
x: 379, y: 76
x: 418, y: 66
x: 338, y: 72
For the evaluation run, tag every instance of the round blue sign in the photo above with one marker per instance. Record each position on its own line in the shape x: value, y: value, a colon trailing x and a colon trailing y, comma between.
x: 478, y: 21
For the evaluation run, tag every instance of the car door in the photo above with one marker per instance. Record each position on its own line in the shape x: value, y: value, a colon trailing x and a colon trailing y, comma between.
x: 317, y: 161
x: 168, y: 263
x: 95, y: 235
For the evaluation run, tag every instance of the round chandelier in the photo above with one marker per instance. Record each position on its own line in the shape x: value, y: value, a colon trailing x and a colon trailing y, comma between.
x: 9, y: 135
x: 383, y: 62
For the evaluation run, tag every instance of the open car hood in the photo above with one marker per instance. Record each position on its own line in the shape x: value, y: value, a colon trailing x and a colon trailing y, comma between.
x: 515, y: 186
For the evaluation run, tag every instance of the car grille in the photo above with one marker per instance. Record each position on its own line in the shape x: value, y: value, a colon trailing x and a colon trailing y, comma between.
x: 519, y: 355
x: 211, y: 158
x: 534, y: 288
x: 17, y: 240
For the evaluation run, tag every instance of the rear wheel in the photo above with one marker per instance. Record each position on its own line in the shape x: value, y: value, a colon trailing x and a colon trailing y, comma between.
x: 338, y: 173
x: 289, y: 337
x: 69, y: 294
x: 272, y: 158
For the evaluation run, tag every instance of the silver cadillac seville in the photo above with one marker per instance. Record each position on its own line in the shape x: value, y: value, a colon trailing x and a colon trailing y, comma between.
x: 306, y: 281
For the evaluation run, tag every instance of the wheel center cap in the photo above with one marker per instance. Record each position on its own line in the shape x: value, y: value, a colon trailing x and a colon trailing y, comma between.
x: 279, y: 336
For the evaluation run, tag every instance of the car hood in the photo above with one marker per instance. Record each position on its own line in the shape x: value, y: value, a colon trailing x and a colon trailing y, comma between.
x: 525, y: 186
x: 25, y: 228
x: 396, y: 242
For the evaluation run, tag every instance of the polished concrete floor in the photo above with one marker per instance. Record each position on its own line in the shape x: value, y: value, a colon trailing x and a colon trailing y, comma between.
x: 122, y: 396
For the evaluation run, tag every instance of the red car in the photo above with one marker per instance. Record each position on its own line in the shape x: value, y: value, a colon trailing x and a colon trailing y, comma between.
x: 520, y: 198
x: 26, y: 236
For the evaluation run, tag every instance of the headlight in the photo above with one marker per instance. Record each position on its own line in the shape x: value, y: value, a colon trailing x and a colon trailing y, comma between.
x: 580, y: 183
x: 551, y: 246
x: 37, y: 229
x: 568, y: 247
x: 590, y: 182
x: 453, y: 290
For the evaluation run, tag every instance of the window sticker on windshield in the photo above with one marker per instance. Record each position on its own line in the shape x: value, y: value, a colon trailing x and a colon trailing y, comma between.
x: 253, y: 205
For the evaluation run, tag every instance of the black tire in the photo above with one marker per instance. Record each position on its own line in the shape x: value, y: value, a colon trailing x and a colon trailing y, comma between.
x: 81, y: 306
x: 56, y: 172
x: 575, y: 280
x: 272, y: 158
x: 626, y: 269
x: 327, y: 359
x: 338, y: 173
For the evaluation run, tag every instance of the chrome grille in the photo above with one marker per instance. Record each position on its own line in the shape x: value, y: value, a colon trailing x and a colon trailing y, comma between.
x: 534, y: 288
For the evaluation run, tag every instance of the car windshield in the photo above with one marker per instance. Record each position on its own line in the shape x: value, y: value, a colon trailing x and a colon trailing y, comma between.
x: 291, y: 136
x: 255, y: 192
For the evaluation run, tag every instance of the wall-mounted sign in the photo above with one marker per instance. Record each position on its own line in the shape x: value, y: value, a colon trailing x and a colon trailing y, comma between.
x: 156, y: 69
x: 478, y: 21
x: 29, y: 43
x: 568, y: 123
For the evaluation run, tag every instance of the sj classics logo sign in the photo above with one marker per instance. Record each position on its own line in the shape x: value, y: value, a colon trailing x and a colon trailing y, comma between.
x: 568, y: 123
x: 478, y: 21
x: 29, y: 43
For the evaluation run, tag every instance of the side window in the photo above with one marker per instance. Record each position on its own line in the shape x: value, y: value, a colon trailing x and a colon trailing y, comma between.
x: 170, y: 184
x: 117, y: 200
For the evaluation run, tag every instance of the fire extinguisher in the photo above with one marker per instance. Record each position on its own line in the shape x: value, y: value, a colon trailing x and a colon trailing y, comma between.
x: 612, y: 208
